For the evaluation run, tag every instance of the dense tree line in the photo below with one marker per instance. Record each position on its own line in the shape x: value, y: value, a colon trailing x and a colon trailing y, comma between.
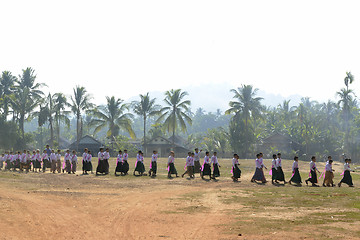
x: 332, y: 127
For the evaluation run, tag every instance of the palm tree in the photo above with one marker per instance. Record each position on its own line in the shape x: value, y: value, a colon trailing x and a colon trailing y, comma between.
x: 60, y: 102
x: 27, y: 96
x: 113, y: 115
x: 175, y: 113
x: 348, y: 79
x: 7, y: 81
x: 80, y: 103
x: 146, y: 107
x: 247, y: 105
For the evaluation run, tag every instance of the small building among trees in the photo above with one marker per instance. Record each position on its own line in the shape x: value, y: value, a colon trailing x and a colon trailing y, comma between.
x: 164, y: 146
x: 87, y: 142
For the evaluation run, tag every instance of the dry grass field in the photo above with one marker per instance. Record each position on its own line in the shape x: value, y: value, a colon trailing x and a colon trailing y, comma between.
x: 76, y: 206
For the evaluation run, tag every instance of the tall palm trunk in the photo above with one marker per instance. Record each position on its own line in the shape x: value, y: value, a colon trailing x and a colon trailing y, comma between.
x: 145, y: 147
x: 173, y: 135
x: 51, y: 132
x: 77, y: 130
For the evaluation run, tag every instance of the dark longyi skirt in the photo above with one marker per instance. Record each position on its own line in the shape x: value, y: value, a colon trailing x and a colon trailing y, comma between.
x: 101, y: 168
x: 274, y: 174
x: 119, y: 167
x: 140, y: 167
x: 154, y: 167
x: 197, y: 167
x: 37, y: 164
x: 280, y: 174
x: 296, y: 178
x: 87, y: 166
x: 68, y: 166
x: 347, y: 178
x: 216, y: 171
x: 172, y: 169
x: 236, y: 172
x: 106, y: 165
x: 206, y: 170
x: 313, y: 177
x: 259, y: 175
x: 125, y: 167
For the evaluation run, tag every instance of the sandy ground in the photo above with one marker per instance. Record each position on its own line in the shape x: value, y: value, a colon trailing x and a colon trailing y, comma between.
x: 62, y: 206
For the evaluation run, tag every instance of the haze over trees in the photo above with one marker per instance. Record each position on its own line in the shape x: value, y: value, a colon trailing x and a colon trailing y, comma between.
x: 30, y: 118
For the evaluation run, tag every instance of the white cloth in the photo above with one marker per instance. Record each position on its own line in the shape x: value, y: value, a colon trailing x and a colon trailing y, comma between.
x: 53, y: 157
x: 67, y: 157
x: 328, y: 167
x: 207, y: 159
x: 44, y: 156
x: 273, y: 164
x: 84, y: 156
x: 23, y: 158
x: 58, y: 157
x: 106, y: 155
x: 313, y: 166
x: 259, y: 163
x: 125, y: 157
x: 278, y: 162
x: 171, y: 159
x: 154, y: 157
x: 295, y: 165
x: 235, y: 162
x: 74, y: 158
x: 347, y: 167
x: 101, y: 156
x: 214, y: 160
x: 197, y: 156
x: 119, y: 158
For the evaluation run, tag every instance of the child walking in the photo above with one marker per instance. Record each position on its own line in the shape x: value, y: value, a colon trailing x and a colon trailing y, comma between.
x: 171, y: 165
x: 73, y: 162
x: 346, y: 174
x: 139, y: 165
x: 153, y: 164
x: 280, y: 174
x: 206, y: 170
x: 329, y: 174
x: 312, y: 175
x: 236, y: 172
x: 189, y: 166
x: 296, y: 178
x: 259, y: 172
x: 118, y: 163
x: 216, y: 165
x: 274, y: 170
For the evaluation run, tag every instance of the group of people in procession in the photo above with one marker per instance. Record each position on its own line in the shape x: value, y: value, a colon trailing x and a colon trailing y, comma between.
x: 277, y: 174
x: 50, y: 158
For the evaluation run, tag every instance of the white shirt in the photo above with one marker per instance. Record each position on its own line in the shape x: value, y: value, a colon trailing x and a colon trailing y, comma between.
x: 58, y: 157
x: 259, y: 163
x: 67, y: 157
x: 37, y: 156
x: 295, y: 165
x: 273, y: 164
x: 328, y: 167
x: 189, y: 161
x: 44, y: 156
x: 74, y: 158
x: 347, y: 167
x: 206, y: 159
x: 278, y: 162
x: 106, y: 155
x: 53, y: 157
x: 171, y: 159
x: 2, y: 159
x: 235, y: 162
x: 101, y: 156
x: 84, y: 156
x: 214, y: 160
x: 154, y: 157
x: 197, y: 156
x: 313, y: 166
x: 23, y: 158
x: 89, y: 157
x: 6, y: 156
x: 119, y: 158
x: 125, y: 157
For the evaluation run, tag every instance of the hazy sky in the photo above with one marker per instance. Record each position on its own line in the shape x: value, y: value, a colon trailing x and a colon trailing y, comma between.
x: 124, y: 48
